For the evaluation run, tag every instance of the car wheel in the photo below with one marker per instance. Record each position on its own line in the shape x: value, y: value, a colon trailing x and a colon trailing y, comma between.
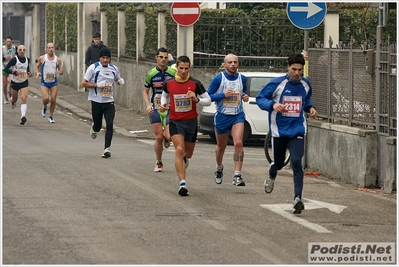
x: 213, y: 137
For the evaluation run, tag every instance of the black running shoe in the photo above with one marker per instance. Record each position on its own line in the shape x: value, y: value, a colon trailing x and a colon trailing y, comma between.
x: 23, y: 120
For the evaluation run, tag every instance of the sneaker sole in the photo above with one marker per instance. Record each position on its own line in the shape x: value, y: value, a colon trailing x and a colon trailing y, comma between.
x: 106, y: 155
x: 298, y: 208
x: 218, y: 182
x: 157, y: 170
x: 183, y: 192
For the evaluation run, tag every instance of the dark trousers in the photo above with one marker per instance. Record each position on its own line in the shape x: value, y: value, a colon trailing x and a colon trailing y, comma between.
x: 296, y: 146
x: 97, y: 112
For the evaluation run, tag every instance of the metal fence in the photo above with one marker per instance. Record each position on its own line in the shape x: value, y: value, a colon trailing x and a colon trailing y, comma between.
x: 345, y: 87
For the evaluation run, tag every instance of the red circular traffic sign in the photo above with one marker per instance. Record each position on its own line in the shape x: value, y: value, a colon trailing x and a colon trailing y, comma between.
x: 185, y: 13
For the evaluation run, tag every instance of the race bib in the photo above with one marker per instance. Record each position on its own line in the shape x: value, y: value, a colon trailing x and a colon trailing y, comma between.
x: 157, y: 101
x: 106, y: 91
x: 22, y: 76
x: 293, y: 106
x: 232, y: 101
x: 49, y: 77
x: 182, y: 103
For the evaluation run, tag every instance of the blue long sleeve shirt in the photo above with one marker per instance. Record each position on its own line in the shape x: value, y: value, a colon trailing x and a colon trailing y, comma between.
x: 296, y: 98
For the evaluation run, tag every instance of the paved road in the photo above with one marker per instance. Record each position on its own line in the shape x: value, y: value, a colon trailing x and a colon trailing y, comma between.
x: 64, y: 204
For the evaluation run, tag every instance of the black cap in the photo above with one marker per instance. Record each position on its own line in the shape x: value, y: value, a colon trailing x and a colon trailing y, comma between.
x: 104, y: 52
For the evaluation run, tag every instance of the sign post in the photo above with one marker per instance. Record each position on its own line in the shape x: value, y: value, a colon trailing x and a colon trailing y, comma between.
x: 306, y: 16
x: 185, y: 14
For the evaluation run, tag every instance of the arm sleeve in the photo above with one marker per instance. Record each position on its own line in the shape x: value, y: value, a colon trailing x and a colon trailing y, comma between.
x: 28, y: 68
x: 205, y: 99
x: 214, y: 86
x: 308, y: 102
x: 10, y: 63
x: 264, y: 99
x: 244, y: 84
x: 164, y: 98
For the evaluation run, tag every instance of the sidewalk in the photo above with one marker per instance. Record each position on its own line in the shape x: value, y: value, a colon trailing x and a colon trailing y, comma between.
x: 127, y: 122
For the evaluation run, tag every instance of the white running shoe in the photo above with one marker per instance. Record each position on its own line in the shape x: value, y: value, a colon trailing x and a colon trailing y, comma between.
x: 158, y: 167
x: 107, y: 153
x: 51, y: 120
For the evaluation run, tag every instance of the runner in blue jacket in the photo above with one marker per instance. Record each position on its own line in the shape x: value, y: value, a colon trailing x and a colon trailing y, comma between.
x: 287, y: 99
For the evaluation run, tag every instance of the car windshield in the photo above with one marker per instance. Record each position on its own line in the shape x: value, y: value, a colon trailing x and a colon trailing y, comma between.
x: 257, y: 84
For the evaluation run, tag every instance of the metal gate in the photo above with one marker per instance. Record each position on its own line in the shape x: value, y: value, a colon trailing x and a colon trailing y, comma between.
x: 386, y: 94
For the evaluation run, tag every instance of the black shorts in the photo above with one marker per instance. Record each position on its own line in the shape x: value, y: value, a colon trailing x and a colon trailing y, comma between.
x: 187, y: 128
x: 18, y: 86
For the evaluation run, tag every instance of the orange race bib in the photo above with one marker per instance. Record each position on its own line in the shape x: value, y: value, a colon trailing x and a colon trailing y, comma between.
x: 182, y: 103
x: 50, y: 77
x: 22, y: 76
x: 106, y: 91
x: 232, y: 101
x: 157, y: 101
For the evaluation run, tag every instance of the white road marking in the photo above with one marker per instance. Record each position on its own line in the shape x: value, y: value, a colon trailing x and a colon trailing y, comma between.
x: 282, y: 209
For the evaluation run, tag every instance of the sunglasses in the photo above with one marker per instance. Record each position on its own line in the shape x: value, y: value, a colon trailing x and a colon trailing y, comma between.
x: 162, y: 57
x: 21, y: 49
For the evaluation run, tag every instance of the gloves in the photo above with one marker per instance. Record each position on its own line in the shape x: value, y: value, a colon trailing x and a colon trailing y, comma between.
x: 101, y: 84
x: 121, y: 81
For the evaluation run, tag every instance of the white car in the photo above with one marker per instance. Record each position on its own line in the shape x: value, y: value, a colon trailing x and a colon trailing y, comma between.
x: 256, y: 120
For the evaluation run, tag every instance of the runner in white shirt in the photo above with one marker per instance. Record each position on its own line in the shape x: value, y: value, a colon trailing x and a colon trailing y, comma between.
x: 49, y: 64
x: 100, y: 78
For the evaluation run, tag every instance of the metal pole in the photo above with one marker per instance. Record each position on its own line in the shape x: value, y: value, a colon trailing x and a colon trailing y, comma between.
x: 305, y: 74
x: 305, y: 52
x: 185, y: 40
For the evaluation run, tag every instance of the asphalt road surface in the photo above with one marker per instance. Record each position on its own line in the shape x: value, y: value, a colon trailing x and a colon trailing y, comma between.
x: 64, y: 204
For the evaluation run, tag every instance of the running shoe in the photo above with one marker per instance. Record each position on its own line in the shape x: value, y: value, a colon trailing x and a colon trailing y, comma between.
x: 166, y: 143
x: 13, y: 105
x: 51, y: 120
x: 219, y: 176
x: 23, y: 120
x: 93, y: 134
x: 186, y: 161
x: 238, y: 181
x: 158, y: 167
x: 298, y: 206
x: 6, y: 100
x: 44, y: 111
x: 106, y: 153
x: 269, y: 185
x: 183, y: 191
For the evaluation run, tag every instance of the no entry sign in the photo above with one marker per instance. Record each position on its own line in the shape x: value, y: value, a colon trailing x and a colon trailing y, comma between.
x: 185, y: 13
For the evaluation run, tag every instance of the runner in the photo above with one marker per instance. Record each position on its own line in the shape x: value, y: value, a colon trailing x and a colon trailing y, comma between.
x: 181, y: 92
x: 49, y: 64
x: 229, y: 89
x: 287, y: 98
x: 9, y: 51
x: 100, y: 78
x: 18, y: 66
x: 154, y: 80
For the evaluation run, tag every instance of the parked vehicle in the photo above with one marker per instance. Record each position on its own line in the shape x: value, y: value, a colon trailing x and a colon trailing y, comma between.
x: 256, y: 124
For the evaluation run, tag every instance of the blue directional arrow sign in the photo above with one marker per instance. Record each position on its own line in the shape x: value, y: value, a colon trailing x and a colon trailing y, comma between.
x: 306, y: 15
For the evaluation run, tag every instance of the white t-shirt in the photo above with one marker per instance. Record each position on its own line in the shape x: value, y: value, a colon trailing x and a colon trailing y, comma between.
x: 97, y: 73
